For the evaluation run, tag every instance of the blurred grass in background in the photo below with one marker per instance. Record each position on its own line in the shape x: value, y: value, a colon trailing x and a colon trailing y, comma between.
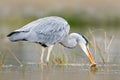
x: 78, y: 13
x: 75, y: 19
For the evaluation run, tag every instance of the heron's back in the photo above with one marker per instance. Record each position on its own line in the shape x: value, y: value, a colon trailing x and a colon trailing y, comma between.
x: 48, y: 30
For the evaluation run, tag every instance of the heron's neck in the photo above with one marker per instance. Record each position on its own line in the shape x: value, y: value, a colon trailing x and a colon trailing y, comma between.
x: 71, y: 40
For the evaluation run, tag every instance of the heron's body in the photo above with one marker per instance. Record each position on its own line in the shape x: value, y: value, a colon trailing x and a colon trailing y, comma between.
x: 48, y: 31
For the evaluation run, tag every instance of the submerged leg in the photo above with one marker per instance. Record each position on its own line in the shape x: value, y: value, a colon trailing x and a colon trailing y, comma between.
x: 42, y: 55
x: 49, y: 51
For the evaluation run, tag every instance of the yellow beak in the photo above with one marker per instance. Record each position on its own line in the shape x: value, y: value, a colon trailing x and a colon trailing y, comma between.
x: 92, y: 61
x: 85, y: 48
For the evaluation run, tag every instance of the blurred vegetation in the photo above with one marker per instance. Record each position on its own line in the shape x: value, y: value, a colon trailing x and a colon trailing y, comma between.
x: 75, y: 19
x: 84, y: 19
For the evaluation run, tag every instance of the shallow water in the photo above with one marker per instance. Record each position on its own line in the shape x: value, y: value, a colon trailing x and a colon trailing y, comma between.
x: 60, y: 72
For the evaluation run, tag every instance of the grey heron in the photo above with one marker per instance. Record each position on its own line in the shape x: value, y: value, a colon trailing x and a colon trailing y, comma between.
x: 47, y: 32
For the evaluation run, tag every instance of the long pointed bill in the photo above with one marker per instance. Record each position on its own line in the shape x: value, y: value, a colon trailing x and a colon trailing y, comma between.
x: 90, y: 57
x: 87, y: 52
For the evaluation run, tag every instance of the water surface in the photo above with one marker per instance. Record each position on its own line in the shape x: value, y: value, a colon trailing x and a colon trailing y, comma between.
x: 60, y: 72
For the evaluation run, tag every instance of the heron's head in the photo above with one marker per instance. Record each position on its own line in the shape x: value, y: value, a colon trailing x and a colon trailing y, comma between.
x: 83, y: 42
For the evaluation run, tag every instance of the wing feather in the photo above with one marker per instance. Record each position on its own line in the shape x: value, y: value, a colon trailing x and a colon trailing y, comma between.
x: 51, y: 32
x: 48, y: 30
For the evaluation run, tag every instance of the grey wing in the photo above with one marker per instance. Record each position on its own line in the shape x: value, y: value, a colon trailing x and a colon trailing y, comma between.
x: 49, y: 32
x: 40, y: 23
x: 23, y: 33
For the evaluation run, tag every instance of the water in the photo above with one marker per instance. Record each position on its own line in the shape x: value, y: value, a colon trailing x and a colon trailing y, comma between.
x: 60, y: 72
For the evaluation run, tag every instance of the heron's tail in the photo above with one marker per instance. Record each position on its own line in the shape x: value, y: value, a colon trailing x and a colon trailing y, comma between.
x: 17, y: 36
